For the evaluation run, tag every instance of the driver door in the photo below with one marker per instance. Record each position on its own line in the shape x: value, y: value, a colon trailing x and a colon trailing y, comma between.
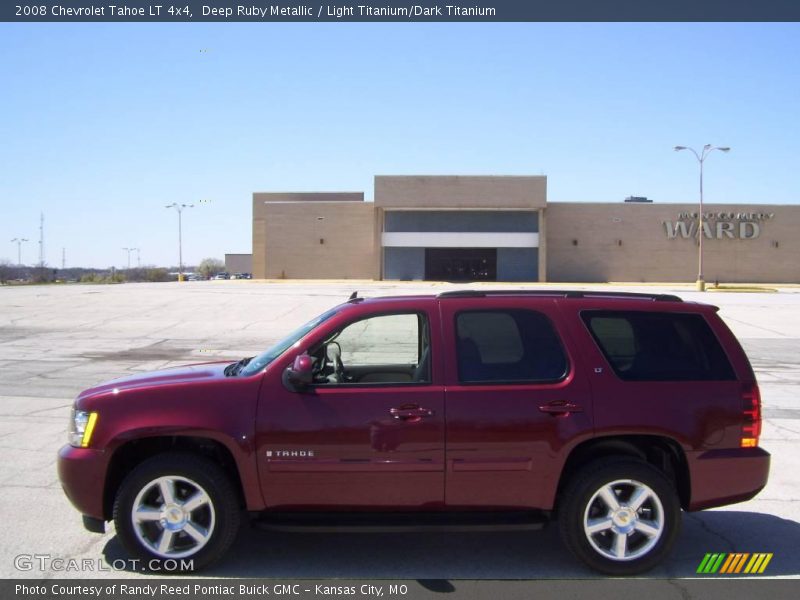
x: 369, y: 430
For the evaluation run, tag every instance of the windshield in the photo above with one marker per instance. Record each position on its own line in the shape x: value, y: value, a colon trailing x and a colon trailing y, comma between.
x: 266, y: 357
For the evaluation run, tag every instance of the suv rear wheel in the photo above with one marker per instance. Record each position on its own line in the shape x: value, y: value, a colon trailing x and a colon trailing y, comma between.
x: 177, y: 507
x: 620, y: 516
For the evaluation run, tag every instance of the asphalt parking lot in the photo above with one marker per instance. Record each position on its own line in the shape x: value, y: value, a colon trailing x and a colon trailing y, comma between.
x: 57, y: 340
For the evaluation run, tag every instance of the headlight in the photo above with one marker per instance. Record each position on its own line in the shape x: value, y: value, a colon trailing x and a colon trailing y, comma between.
x: 81, y: 426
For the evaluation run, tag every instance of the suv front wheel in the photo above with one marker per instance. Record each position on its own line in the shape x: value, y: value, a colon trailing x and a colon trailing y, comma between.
x: 620, y: 516
x: 179, y: 508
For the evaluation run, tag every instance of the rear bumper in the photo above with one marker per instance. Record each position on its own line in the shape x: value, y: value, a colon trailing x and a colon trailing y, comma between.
x: 82, y: 474
x: 721, y: 477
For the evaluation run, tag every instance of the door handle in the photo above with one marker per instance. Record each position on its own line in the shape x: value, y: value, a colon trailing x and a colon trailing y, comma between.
x: 560, y: 407
x: 410, y: 413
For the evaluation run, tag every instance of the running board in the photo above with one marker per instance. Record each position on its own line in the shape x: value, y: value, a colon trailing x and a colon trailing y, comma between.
x: 332, y: 522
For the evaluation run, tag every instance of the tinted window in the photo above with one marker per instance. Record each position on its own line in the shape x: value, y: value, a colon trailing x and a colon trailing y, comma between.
x: 646, y: 346
x: 508, y: 346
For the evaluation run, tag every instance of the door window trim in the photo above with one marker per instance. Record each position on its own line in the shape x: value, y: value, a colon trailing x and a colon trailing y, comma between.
x: 376, y: 384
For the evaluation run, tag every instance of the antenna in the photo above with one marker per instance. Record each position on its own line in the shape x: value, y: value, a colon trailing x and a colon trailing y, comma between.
x: 41, y: 240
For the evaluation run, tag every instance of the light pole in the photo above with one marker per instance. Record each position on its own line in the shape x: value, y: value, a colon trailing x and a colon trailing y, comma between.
x: 129, y: 250
x: 701, y: 157
x: 19, y: 249
x: 179, y: 208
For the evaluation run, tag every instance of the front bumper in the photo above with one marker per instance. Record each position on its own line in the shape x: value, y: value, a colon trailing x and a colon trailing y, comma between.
x: 82, y: 472
x: 721, y: 477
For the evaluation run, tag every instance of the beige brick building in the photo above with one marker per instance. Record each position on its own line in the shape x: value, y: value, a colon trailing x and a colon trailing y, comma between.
x: 503, y: 229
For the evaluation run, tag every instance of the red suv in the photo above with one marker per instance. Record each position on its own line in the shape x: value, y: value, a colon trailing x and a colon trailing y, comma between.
x: 610, y: 411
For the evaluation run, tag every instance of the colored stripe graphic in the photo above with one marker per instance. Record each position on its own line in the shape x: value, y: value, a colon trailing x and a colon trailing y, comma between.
x: 734, y: 563
x: 765, y: 563
x: 741, y: 562
x: 754, y: 563
x: 758, y: 563
x: 729, y: 562
x: 711, y: 562
x: 704, y: 563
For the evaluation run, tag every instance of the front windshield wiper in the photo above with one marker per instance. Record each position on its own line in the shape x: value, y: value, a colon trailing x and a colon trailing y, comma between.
x: 235, y: 368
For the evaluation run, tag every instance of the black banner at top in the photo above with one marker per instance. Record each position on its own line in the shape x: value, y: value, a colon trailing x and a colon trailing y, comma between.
x: 393, y: 11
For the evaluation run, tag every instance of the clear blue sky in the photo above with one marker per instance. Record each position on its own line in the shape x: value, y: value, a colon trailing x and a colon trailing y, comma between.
x: 102, y: 125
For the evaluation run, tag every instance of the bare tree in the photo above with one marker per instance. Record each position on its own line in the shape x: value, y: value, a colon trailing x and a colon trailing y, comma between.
x: 210, y: 266
x: 6, y: 270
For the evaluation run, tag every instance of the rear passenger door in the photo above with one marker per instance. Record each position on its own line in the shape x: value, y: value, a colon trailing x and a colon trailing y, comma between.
x: 516, y: 400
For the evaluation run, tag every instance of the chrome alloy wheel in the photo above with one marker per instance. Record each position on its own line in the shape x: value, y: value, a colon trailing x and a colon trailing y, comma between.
x: 173, y: 517
x: 623, y: 520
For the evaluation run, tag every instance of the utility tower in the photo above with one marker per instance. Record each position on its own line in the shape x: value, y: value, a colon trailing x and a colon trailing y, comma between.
x: 41, y: 240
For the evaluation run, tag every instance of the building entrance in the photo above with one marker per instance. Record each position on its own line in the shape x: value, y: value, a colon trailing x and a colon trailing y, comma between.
x: 461, y: 264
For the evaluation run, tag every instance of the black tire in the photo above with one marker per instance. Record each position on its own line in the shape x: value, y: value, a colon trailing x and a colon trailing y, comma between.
x: 215, y: 522
x: 583, y: 499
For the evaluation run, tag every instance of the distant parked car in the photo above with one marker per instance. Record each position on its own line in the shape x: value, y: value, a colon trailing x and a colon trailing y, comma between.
x: 222, y: 276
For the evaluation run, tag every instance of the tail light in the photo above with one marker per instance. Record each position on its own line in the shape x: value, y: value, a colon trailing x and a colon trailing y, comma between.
x: 751, y: 415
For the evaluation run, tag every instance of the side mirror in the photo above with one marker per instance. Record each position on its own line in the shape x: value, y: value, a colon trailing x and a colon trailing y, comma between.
x: 299, y: 376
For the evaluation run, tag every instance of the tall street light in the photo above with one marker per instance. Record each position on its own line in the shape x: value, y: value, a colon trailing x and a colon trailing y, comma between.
x: 129, y: 250
x: 19, y: 249
x: 179, y: 208
x: 701, y: 157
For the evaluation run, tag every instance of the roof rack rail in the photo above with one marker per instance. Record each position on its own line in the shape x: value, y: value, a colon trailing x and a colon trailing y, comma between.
x: 561, y: 294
